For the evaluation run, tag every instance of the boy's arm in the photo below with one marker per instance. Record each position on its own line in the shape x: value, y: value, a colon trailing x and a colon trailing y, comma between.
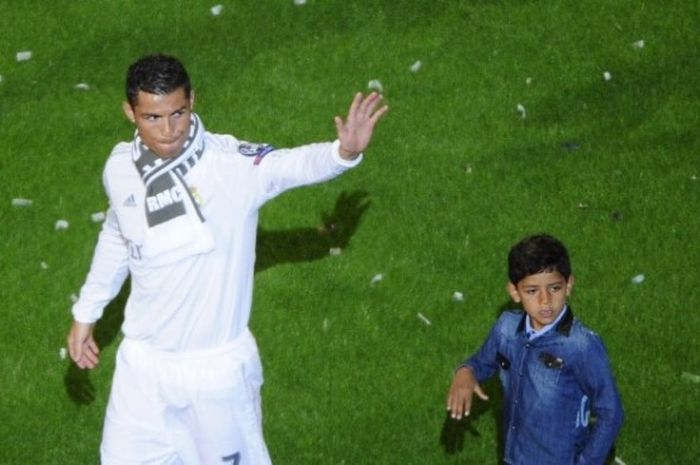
x: 465, y: 382
x: 464, y: 385
x: 598, y: 382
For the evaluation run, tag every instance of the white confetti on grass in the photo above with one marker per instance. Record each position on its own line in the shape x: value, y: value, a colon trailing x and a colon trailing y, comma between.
x: 335, y: 251
x: 375, y: 84
x: 639, y: 279
x: 638, y: 44
x: 619, y: 461
x: 521, y: 109
x: 61, y: 225
x: 376, y: 279
x: 299, y: 2
x: 528, y: 81
x: 82, y: 86
x: 97, y: 217
x: 44, y: 265
x: 423, y: 319
x: 326, y: 324
x: 690, y: 377
x: 415, y: 67
x: 74, y: 298
x: 62, y: 353
x: 607, y: 76
x: 24, y: 55
x: 21, y: 202
x: 457, y: 297
x: 216, y: 10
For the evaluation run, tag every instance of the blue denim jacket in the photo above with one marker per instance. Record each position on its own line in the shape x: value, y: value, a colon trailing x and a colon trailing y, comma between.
x: 562, y: 406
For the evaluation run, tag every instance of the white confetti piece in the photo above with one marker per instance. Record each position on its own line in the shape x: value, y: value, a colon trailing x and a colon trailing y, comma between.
x: 619, y: 461
x: 44, y: 265
x: 216, y: 10
x: 521, y: 109
x: 639, y: 279
x: 582, y: 205
x: 98, y: 217
x: 21, y: 202
x: 528, y: 81
x: 299, y: 2
x: 457, y: 297
x: 607, y: 76
x: 326, y: 324
x: 62, y: 353
x: 74, y: 298
x: 638, y: 44
x: 415, y: 67
x: 375, y: 84
x: 0, y: 77
x: 335, y: 251
x: 24, y: 55
x: 693, y: 178
x: 82, y: 86
x: 61, y: 225
x: 690, y: 377
x: 423, y: 319
x: 376, y: 279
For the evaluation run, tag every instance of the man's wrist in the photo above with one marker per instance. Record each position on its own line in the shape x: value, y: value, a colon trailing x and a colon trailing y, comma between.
x: 347, y: 154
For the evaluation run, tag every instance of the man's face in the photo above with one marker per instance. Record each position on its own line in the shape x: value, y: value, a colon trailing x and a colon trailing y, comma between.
x: 163, y: 121
x: 543, y: 296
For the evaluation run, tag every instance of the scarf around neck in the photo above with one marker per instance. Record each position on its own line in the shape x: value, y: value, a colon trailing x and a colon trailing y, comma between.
x: 176, y: 226
x: 166, y: 191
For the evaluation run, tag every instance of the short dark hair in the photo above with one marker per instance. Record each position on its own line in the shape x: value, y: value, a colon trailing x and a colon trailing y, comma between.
x: 156, y: 74
x: 536, y: 254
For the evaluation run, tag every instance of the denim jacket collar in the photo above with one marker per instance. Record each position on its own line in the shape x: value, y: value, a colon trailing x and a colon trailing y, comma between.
x: 563, y: 327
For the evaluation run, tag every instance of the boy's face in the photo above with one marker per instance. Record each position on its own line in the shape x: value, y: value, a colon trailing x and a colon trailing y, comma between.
x: 542, y: 295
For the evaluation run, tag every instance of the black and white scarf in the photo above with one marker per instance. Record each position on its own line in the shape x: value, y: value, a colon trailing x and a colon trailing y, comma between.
x: 175, y: 222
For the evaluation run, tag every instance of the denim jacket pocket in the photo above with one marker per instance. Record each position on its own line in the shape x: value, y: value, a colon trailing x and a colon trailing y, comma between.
x: 551, y: 361
x: 503, y: 362
x: 549, y: 369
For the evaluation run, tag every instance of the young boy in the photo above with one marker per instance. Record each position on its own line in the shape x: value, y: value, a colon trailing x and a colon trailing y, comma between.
x: 561, y: 404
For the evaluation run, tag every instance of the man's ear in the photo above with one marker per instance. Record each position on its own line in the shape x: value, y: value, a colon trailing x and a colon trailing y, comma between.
x: 513, y: 291
x: 569, y: 284
x: 128, y: 111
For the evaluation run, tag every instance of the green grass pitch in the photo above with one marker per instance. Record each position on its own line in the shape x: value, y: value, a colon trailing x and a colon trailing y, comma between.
x: 507, y: 118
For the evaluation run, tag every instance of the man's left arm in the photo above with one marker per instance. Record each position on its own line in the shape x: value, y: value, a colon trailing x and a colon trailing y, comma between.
x: 606, y: 407
x: 285, y: 169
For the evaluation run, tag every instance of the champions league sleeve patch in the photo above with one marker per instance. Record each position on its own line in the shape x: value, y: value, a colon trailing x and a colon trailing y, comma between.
x: 255, y: 150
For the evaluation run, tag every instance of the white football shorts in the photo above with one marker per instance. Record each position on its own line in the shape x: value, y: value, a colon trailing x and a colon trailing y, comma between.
x: 192, y: 408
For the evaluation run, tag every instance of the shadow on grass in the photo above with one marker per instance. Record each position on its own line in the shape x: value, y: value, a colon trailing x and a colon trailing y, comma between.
x: 273, y: 248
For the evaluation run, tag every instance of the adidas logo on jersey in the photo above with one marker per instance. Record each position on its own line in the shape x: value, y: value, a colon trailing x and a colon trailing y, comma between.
x: 130, y: 201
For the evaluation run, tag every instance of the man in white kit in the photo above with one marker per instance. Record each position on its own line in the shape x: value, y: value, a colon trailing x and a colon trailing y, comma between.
x: 182, y: 222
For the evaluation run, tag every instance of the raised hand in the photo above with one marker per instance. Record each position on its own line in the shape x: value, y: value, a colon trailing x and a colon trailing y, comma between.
x: 355, y: 132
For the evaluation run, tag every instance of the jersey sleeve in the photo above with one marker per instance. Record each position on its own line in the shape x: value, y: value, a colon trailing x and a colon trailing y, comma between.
x: 285, y: 169
x: 108, y: 271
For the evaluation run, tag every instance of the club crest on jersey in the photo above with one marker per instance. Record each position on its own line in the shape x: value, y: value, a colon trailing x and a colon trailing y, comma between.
x: 255, y: 150
x: 195, y: 195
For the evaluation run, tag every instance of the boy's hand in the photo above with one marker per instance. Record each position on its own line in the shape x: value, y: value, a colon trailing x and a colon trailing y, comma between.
x: 459, y: 399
